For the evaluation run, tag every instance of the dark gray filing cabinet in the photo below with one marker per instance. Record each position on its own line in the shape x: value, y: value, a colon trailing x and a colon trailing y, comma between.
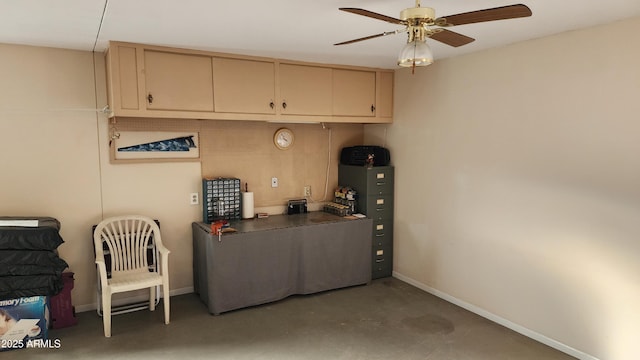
x: 375, y: 199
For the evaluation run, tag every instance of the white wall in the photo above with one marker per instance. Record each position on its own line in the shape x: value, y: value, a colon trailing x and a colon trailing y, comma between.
x: 48, y: 154
x: 518, y: 185
x: 54, y: 161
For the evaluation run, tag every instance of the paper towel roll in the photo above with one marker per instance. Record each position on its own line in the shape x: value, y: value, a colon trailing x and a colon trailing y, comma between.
x: 247, y: 205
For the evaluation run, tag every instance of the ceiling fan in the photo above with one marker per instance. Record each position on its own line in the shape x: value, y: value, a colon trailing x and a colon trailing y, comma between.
x: 421, y: 23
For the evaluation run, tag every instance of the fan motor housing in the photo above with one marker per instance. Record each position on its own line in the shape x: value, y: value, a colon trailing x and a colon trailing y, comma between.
x: 418, y: 13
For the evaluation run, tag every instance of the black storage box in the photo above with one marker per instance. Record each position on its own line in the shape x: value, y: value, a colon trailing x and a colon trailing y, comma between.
x: 357, y: 155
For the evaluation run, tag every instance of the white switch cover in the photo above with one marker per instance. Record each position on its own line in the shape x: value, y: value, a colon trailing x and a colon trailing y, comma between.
x: 274, y: 182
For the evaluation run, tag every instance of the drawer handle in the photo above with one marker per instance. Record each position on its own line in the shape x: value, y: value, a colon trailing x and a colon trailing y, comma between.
x: 379, y: 209
x: 380, y: 235
x: 379, y: 260
x: 380, y: 183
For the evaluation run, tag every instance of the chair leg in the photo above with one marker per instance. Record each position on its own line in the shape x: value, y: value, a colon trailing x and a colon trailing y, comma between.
x: 165, y: 302
x: 106, y: 313
x: 152, y: 298
x: 100, y: 305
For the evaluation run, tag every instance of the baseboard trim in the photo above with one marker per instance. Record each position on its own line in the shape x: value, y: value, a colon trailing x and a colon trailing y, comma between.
x: 497, y: 319
x: 133, y: 299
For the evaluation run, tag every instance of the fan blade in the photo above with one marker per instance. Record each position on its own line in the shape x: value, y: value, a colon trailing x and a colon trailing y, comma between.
x: 451, y: 38
x: 499, y: 13
x: 371, y: 14
x: 369, y: 37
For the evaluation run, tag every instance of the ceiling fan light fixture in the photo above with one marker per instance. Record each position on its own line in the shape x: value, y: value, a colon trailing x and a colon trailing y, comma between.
x: 415, y: 53
x: 421, y: 23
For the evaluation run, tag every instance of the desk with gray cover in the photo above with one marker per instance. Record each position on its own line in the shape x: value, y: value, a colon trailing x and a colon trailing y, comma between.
x: 269, y: 259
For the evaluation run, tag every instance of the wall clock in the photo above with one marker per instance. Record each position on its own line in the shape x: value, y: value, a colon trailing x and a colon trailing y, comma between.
x: 283, y: 138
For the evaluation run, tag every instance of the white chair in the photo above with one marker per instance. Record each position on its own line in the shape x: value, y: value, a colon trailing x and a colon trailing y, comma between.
x: 127, y: 238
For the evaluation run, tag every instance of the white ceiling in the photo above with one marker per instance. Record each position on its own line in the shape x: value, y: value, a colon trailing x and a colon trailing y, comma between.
x: 291, y: 29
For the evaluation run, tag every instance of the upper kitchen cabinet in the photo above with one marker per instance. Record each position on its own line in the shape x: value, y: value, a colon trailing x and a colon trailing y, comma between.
x: 160, y: 82
x: 244, y: 86
x: 354, y: 93
x: 178, y: 81
x: 305, y: 90
x: 149, y: 82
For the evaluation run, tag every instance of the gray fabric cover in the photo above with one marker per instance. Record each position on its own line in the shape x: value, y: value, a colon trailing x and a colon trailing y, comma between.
x: 270, y: 260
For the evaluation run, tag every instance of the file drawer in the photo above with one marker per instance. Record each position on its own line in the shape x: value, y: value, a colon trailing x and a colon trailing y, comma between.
x: 382, y: 260
x: 382, y: 232
x: 380, y: 181
x: 377, y: 207
x: 376, y: 180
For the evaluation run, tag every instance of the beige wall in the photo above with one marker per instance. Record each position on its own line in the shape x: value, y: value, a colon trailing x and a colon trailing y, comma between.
x: 518, y: 185
x: 48, y: 147
x: 54, y: 161
x: 246, y: 151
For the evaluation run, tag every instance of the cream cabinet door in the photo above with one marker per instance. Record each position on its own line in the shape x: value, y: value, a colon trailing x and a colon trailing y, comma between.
x: 384, y: 108
x: 244, y: 86
x: 354, y: 93
x: 305, y: 90
x: 122, y: 78
x: 178, y: 81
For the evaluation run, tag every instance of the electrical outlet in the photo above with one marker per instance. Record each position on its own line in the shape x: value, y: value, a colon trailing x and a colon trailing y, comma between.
x: 193, y: 199
x: 274, y: 182
x: 307, y: 190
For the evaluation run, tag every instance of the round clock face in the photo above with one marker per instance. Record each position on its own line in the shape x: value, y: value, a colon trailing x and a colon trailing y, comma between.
x: 283, y: 138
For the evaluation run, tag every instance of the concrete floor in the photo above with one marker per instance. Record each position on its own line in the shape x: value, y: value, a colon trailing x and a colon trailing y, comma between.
x: 387, y: 319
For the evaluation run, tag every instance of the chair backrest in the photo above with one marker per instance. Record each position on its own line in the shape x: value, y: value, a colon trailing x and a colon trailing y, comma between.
x: 127, y: 238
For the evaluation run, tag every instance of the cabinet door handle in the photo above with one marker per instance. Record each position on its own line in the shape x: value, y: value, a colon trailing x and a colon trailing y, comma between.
x: 284, y: 104
x: 373, y: 108
x: 272, y: 105
x: 150, y: 98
